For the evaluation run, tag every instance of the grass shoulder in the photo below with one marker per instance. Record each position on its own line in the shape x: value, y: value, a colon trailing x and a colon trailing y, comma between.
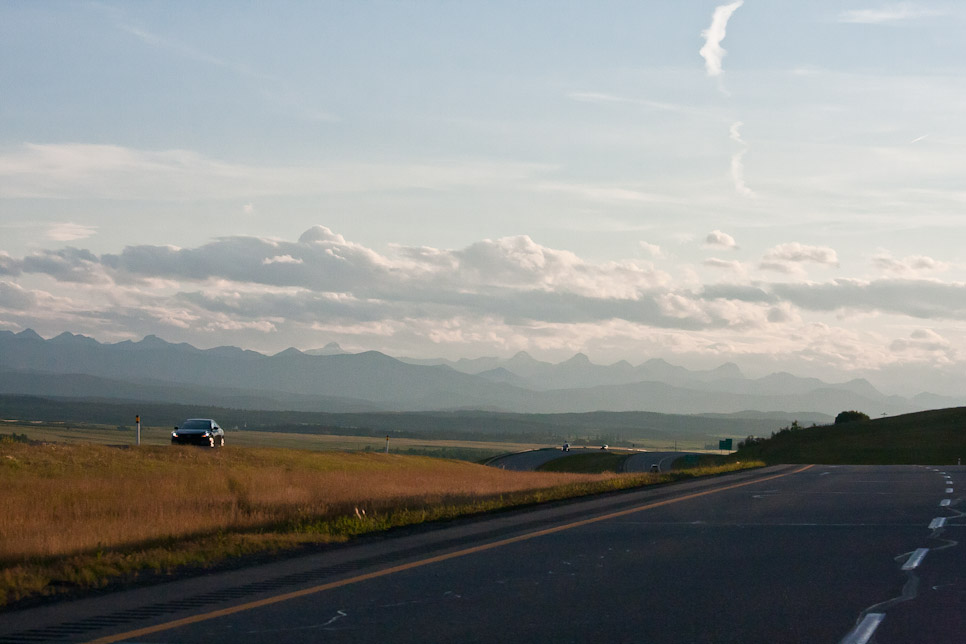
x: 598, y: 462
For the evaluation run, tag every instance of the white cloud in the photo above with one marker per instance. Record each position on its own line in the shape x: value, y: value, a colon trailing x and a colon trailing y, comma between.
x: 653, y: 250
x: 282, y: 259
x: 734, y: 132
x: 911, y: 265
x: 737, y: 161
x: 712, y: 51
x: 720, y: 239
x: 897, y: 12
x: 69, y: 231
x: 798, y: 253
x: 738, y: 175
x: 725, y: 265
x: 508, y: 293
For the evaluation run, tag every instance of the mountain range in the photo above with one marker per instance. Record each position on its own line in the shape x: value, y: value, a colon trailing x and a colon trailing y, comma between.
x: 332, y: 380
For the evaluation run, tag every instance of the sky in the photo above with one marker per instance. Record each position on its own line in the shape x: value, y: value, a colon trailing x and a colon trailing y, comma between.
x: 778, y: 184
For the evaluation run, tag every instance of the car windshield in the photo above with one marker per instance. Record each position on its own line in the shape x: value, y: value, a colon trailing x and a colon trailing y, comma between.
x: 194, y: 423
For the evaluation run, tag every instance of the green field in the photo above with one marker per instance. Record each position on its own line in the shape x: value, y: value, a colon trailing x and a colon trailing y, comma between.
x: 594, y: 463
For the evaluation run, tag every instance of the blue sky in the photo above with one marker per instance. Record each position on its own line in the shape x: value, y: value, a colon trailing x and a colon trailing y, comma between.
x: 778, y: 184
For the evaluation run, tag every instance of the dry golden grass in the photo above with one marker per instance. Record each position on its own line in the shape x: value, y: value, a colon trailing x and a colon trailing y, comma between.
x: 76, y: 516
x: 59, y: 499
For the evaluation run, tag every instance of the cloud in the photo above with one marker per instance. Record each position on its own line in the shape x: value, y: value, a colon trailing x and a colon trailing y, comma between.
x: 911, y: 265
x: 69, y: 231
x: 892, y: 13
x: 734, y: 132
x: 9, y: 265
x: 737, y: 161
x: 785, y: 258
x: 67, y: 265
x: 719, y: 239
x: 924, y: 299
x: 653, y: 250
x: 738, y: 175
x: 508, y: 292
x: 711, y: 51
x: 725, y: 265
x: 282, y: 259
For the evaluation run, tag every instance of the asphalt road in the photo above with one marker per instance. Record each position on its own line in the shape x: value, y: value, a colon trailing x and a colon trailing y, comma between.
x: 531, y: 460
x: 825, y: 554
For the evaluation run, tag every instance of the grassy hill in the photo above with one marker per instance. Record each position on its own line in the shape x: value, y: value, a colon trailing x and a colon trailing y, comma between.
x: 936, y: 437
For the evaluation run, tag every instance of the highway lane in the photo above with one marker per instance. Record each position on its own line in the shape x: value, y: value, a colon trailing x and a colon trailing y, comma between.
x: 801, y: 558
x: 531, y: 460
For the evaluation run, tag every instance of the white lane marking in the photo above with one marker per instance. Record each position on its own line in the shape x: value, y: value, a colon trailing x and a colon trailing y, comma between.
x: 339, y: 615
x: 949, y: 490
x: 862, y: 633
x: 915, y: 559
x: 945, y: 502
x: 938, y: 522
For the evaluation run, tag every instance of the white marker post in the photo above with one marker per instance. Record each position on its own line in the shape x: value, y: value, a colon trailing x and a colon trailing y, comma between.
x: 387, y: 443
x: 137, y: 421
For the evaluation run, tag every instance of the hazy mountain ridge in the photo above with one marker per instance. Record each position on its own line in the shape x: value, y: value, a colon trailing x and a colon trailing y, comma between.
x: 333, y: 380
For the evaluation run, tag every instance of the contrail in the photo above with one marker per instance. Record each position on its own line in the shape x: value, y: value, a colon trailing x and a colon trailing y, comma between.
x: 713, y: 52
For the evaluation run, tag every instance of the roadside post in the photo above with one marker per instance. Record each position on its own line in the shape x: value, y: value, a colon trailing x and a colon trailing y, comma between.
x: 387, y: 443
x: 137, y: 421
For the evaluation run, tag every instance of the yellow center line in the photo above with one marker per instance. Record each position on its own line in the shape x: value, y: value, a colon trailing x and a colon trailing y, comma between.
x: 194, y: 619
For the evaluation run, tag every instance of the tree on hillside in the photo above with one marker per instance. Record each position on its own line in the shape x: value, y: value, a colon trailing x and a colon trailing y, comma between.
x: 850, y: 417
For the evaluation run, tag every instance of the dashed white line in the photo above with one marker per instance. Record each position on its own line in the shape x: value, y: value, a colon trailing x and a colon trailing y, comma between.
x: 915, y: 559
x: 862, y: 633
x: 938, y: 522
x: 945, y: 502
x: 949, y: 490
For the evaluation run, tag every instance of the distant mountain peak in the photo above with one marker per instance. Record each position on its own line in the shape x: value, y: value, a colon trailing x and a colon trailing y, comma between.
x: 578, y: 359
x: 522, y: 356
x: 29, y: 334
x: 68, y: 337
x: 728, y: 369
x: 331, y: 349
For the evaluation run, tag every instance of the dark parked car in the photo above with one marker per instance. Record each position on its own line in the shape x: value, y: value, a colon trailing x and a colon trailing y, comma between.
x: 198, y: 431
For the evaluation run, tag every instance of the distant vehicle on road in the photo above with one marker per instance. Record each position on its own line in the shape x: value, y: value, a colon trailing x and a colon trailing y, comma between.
x: 566, y: 447
x: 198, y: 431
x: 655, y: 467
